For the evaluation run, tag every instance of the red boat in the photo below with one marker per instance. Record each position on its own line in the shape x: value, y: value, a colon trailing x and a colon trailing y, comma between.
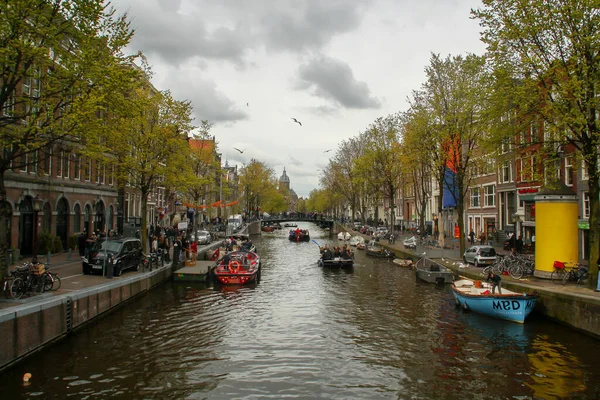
x: 238, y: 268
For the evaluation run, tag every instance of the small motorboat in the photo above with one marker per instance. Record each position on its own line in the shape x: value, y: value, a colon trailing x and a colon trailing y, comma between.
x: 403, y: 262
x: 410, y: 243
x: 338, y: 262
x: 477, y: 296
x: 299, y: 235
x: 344, y: 236
x: 288, y: 225
x: 374, y: 249
x: 433, y: 272
x: 355, y: 240
x: 238, y: 268
x: 361, y: 246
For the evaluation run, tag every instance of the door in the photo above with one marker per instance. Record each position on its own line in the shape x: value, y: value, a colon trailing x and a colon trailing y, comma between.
x: 26, y: 226
x: 62, y: 221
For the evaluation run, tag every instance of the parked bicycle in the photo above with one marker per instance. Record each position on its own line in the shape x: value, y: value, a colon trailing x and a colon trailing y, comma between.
x: 564, y: 273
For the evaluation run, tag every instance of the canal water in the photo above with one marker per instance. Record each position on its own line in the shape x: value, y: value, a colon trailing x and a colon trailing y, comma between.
x: 308, y: 333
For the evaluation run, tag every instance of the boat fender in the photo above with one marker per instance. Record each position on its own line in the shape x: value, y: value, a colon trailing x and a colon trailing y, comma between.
x: 465, y: 307
x: 234, y: 266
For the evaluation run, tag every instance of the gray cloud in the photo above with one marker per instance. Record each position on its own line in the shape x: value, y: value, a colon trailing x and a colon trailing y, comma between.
x: 208, y: 102
x: 334, y: 80
x: 309, y: 24
x: 230, y: 30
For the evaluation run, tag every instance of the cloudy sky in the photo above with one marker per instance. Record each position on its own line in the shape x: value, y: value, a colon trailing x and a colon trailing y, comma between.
x: 250, y: 66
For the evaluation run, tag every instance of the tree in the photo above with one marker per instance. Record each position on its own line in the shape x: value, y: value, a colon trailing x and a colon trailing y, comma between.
x: 551, y: 50
x: 260, y: 187
x: 457, y: 88
x: 59, y: 62
x: 150, y: 143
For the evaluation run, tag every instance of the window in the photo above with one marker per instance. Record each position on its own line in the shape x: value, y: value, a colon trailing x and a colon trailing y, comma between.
x: 551, y: 171
x: 506, y: 172
x: 585, y: 173
x: 9, y: 106
x: 59, y: 164
x: 586, y: 204
x: 87, y: 170
x: 569, y: 171
x: 490, y: 195
x: 475, y: 197
x: 47, y: 160
x: 111, y: 175
x: 76, y: 167
x: 102, y: 173
x: 98, y: 171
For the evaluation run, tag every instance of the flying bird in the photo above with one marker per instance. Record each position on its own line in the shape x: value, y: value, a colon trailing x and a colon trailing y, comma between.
x: 296, y: 121
x: 327, y: 151
x: 247, y: 104
x: 241, y: 151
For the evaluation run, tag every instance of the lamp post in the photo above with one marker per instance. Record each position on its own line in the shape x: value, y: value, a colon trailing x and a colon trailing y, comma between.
x: 37, y: 207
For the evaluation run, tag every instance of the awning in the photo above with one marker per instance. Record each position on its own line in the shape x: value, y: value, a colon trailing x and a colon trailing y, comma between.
x: 527, y: 197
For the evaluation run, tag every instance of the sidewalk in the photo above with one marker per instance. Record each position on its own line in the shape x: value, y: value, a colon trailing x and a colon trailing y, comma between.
x: 452, y: 258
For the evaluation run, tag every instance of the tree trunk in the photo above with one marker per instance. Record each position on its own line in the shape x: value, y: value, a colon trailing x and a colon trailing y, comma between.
x: 144, y: 222
x: 594, y: 220
x: 4, y: 215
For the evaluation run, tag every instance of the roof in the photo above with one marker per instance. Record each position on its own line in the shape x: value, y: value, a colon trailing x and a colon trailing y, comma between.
x: 203, y: 147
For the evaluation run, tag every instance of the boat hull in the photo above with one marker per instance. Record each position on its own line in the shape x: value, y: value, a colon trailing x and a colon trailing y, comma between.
x: 243, y: 267
x: 336, y: 263
x: 432, y: 272
x: 509, y: 306
x: 300, y: 238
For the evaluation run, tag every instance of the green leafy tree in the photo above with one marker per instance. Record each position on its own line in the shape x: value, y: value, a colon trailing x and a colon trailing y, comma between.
x: 259, y: 184
x: 59, y: 64
x: 150, y: 143
x: 550, y: 52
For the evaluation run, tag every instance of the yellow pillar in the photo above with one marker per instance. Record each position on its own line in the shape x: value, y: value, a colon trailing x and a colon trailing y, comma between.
x: 556, y: 232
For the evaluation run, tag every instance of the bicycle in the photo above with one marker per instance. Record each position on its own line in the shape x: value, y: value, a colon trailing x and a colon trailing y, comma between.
x: 563, y: 273
x: 51, y: 281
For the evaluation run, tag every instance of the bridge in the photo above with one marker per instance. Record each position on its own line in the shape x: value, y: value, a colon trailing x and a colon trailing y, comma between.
x: 255, y: 227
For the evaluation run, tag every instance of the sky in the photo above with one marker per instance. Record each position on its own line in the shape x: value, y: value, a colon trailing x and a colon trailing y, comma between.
x: 250, y: 66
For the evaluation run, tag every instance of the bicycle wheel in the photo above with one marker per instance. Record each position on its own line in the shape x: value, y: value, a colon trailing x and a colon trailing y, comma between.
x: 17, y: 288
x: 499, y: 267
x: 516, y: 271
x: 55, y: 282
x: 557, y: 276
x: 48, y: 281
x: 487, y: 270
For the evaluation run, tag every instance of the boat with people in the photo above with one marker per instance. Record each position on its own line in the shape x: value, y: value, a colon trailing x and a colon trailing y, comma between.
x: 355, y: 240
x: 433, y: 272
x: 336, y: 257
x: 299, y: 235
x: 477, y: 296
x: 374, y: 249
x: 344, y: 236
x: 238, y: 268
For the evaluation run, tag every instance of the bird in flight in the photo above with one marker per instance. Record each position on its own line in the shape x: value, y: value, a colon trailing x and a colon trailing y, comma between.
x: 241, y: 151
x: 327, y: 151
x: 296, y: 121
x: 247, y: 104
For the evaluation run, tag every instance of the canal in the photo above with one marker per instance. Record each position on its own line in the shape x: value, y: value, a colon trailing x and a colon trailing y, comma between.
x: 307, y: 333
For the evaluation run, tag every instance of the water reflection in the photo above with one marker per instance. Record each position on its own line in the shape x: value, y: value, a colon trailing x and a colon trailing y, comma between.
x: 306, y: 332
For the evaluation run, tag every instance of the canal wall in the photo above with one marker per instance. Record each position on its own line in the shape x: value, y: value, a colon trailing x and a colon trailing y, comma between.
x: 26, y: 328
x: 570, y: 305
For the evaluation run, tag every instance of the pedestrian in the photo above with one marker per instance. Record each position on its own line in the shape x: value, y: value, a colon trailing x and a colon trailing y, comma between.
x: 81, y: 242
x: 472, y: 236
x: 512, y: 243
x: 519, y: 245
x: 496, y: 282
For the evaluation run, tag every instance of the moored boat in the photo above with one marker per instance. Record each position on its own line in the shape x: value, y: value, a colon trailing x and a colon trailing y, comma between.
x: 433, y: 272
x: 344, y: 236
x: 355, y: 240
x: 403, y: 262
x: 288, y: 225
x: 361, y: 246
x: 238, y: 268
x: 477, y: 296
x: 375, y: 250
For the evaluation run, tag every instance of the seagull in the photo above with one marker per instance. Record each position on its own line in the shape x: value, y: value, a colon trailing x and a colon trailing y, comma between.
x: 241, y: 151
x: 296, y: 121
x: 247, y: 104
x: 327, y: 151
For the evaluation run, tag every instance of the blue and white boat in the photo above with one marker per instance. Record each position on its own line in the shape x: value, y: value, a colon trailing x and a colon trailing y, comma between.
x: 509, y: 305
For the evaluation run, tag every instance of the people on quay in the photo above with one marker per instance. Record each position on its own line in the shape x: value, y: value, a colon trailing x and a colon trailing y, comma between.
x: 496, y: 282
x: 519, y: 245
x: 472, y: 236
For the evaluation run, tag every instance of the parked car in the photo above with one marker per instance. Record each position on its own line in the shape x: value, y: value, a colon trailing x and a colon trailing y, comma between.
x: 480, y: 255
x: 125, y: 253
x: 203, y: 237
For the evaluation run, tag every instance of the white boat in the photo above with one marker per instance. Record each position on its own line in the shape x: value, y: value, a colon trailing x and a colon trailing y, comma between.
x: 410, y: 243
x: 344, y: 236
x: 477, y: 296
x: 355, y: 240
